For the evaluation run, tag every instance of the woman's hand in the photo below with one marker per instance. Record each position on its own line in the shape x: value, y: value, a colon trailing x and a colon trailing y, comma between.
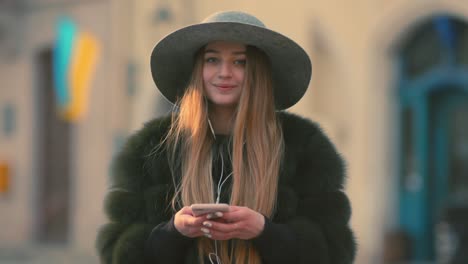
x: 239, y: 222
x: 187, y: 224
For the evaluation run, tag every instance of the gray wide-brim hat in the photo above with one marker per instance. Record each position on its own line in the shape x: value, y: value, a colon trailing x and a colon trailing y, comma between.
x: 173, y: 57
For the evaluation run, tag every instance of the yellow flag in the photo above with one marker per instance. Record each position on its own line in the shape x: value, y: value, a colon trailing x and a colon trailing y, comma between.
x: 81, y: 71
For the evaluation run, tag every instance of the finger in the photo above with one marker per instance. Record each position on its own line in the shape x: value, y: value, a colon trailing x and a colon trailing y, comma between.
x: 189, y: 226
x: 193, y: 221
x: 206, y: 231
x: 235, y: 216
x: 233, y: 208
x: 195, y: 232
x: 238, y: 213
x: 188, y: 219
x: 221, y: 227
x: 186, y: 210
x: 214, y: 215
x: 217, y: 235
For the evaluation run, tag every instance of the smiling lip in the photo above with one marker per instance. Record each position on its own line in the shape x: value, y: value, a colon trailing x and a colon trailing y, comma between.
x: 225, y: 86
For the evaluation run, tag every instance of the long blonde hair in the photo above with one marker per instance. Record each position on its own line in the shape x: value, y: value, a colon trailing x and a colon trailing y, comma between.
x: 257, y: 147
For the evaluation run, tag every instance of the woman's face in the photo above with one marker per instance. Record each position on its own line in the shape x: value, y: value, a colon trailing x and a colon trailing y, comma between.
x: 223, y: 72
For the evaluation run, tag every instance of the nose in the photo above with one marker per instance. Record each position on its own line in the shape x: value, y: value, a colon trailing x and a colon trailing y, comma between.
x: 225, y: 70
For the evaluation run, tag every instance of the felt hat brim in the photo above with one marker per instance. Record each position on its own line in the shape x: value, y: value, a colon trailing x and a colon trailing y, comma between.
x: 172, y: 58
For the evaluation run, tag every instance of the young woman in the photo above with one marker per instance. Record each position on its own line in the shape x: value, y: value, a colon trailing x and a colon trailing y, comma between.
x: 228, y: 142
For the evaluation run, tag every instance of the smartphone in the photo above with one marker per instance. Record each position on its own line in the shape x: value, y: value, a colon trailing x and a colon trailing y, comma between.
x: 206, y: 208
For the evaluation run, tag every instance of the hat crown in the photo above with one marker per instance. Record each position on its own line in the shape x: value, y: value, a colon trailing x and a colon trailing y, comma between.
x: 234, y: 17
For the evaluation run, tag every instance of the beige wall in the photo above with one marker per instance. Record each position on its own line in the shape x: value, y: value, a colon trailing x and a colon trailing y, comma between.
x: 92, y: 138
x: 14, y: 207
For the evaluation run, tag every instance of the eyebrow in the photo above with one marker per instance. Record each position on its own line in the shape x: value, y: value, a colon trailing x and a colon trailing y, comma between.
x: 234, y: 52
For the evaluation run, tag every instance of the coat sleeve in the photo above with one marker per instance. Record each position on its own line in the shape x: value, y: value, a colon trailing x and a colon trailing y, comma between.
x: 311, y: 224
x: 136, y: 205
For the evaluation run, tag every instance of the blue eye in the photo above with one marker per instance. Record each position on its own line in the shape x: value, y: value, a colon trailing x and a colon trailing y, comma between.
x: 240, y: 62
x: 211, y: 60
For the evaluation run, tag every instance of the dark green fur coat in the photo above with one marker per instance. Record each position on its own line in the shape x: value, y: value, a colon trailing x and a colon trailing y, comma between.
x: 312, y: 209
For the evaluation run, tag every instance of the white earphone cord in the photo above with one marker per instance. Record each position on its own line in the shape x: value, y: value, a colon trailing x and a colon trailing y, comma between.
x: 221, y: 182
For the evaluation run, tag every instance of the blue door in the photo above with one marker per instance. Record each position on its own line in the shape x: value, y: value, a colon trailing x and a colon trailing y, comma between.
x: 449, y: 148
x: 434, y: 161
x: 433, y: 103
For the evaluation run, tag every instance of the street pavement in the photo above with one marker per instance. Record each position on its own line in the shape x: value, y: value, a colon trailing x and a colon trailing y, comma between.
x: 45, y: 255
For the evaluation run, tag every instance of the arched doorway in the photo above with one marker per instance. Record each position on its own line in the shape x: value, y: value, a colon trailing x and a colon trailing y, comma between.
x: 53, y: 181
x: 433, y: 104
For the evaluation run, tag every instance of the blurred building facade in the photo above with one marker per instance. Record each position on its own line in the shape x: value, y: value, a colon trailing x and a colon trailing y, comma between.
x: 382, y: 88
